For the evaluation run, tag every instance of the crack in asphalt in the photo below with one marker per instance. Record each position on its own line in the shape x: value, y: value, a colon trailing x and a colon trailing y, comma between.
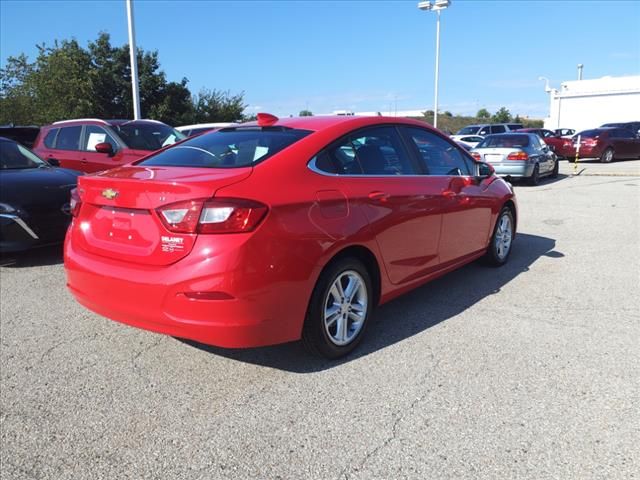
x: 399, y: 417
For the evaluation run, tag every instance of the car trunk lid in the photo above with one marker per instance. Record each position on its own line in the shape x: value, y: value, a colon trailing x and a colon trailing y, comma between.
x: 118, y: 217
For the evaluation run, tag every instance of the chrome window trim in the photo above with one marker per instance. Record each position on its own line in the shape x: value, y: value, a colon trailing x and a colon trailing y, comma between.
x: 312, y: 166
x: 22, y: 223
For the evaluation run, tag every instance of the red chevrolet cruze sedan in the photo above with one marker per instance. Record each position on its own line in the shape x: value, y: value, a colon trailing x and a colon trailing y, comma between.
x: 278, y: 230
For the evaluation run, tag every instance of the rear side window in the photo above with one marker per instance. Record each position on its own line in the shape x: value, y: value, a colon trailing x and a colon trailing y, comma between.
x: 438, y: 155
x: 69, y: 138
x: 229, y: 148
x: 498, y: 129
x: 374, y: 151
x: 49, y: 140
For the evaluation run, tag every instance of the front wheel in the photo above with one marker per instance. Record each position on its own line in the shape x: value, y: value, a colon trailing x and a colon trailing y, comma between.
x: 339, y: 309
x: 607, y: 155
x: 501, y: 240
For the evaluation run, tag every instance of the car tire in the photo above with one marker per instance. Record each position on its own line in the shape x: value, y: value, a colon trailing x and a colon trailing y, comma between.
x: 502, y: 239
x: 335, y: 323
x: 534, y: 179
x: 607, y: 155
x: 556, y: 169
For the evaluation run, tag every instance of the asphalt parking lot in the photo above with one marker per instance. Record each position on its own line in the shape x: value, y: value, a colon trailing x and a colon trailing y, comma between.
x: 528, y: 371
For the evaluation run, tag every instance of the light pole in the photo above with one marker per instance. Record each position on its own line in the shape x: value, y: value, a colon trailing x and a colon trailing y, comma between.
x: 436, y: 6
x: 134, y: 61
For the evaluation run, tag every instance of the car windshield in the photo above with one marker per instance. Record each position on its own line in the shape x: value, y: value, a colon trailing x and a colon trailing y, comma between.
x: 471, y: 130
x: 15, y: 156
x: 147, y: 136
x: 229, y: 148
x: 505, y: 141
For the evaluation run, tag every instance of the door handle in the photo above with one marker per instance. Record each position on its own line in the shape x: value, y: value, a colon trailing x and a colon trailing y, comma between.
x: 449, y: 193
x: 381, y: 196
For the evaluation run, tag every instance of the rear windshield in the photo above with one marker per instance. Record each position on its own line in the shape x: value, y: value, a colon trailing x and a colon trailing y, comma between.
x: 470, y: 130
x: 230, y: 148
x: 506, y: 141
x: 147, y: 136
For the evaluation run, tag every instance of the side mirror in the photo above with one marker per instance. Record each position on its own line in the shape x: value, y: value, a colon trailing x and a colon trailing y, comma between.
x: 485, y: 170
x: 104, y: 147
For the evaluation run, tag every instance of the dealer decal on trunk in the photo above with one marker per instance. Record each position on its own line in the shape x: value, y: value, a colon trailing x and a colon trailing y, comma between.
x: 172, y: 244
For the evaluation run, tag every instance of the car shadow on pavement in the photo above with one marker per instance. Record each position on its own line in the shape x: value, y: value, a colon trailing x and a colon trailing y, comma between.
x: 543, y: 181
x: 408, y: 315
x: 50, y: 255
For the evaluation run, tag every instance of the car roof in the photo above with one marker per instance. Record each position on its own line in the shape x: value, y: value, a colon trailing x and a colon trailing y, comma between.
x: 99, y: 121
x: 323, y: 122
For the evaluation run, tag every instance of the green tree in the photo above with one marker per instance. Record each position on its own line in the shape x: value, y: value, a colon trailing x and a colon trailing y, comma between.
x: 517, y: 119
x: 483, y: 113
x: 305, y: 113
x: 448, y: 114
x: 69, y: 81
x: 218, y: 106
x: 501, y: 116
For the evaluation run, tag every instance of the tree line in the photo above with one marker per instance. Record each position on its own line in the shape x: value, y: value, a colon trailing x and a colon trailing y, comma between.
x: 70, y: 81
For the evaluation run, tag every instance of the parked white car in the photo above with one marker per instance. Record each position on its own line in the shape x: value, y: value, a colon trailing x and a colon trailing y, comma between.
x: 190, y: 130
x: 484, y: 129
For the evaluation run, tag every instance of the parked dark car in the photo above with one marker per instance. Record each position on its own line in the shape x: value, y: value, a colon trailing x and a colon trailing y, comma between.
x: 607, y: 144
x: 633, y: 126
x: 94, y: 145
x: 34, y: 199
x: 25, y: 135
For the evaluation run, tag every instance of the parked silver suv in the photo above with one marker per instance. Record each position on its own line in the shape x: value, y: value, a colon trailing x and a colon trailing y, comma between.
x: 485, y: 129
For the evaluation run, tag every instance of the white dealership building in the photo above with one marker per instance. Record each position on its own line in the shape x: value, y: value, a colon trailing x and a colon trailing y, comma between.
x: 584, y: 104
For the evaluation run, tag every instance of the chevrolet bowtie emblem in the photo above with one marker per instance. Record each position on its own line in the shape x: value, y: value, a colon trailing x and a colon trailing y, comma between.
x: 110, y: 193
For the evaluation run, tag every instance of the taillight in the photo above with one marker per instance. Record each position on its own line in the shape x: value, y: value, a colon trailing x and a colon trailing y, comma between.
x: 476, y: 156
x: 521, y: 156
x: 224, y: 215
x: 181, y: 217
x: 591, y: 142
x: 75, y: 203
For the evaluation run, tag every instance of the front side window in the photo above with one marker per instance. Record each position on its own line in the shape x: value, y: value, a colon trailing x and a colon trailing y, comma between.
x: 470, y: 130
x: 15, y: 156
x: 498, y: 129
x: 374, y: 151
x: 69, y: 138
x: 438, y: 155
x: 229, y: 148
x: 94, y: 135
x: 147, y: 136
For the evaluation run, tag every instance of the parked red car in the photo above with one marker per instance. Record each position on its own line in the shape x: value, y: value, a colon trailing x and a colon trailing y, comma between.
x: 555, y: 141
x: 93, y: 145
x: 607, y: 144
x: 278, y: 230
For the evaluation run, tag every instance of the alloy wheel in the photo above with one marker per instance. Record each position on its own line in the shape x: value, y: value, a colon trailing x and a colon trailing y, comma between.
x: 504, y: 235
x: 345, y: 308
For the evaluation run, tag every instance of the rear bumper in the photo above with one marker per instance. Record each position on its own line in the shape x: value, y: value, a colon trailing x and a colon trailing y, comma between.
x: 252, y: 309
x: 513, y: 169
x: 585, y: 152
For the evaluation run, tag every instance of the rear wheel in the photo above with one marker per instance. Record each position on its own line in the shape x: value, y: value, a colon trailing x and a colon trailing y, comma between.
x: 534, y: 179
x: 501, y: 240
x: 556, y: 169
x: 607, y: 155
x: 339, y: 309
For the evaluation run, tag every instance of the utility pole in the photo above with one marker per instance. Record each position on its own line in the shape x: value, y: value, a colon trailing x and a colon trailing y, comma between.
x: 134, y: 61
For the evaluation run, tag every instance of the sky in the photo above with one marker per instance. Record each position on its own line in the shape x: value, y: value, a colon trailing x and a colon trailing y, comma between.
x: 372, y: 55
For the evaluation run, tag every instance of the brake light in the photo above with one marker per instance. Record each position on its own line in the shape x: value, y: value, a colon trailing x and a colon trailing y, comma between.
x: 476, y: 156
x: 225, y: 215
x: 521, y: 156
x: 591, y: 142
x: 75, y: 202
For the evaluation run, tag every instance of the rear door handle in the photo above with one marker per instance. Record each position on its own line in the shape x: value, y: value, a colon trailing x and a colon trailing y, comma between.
x: 381, y: 196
